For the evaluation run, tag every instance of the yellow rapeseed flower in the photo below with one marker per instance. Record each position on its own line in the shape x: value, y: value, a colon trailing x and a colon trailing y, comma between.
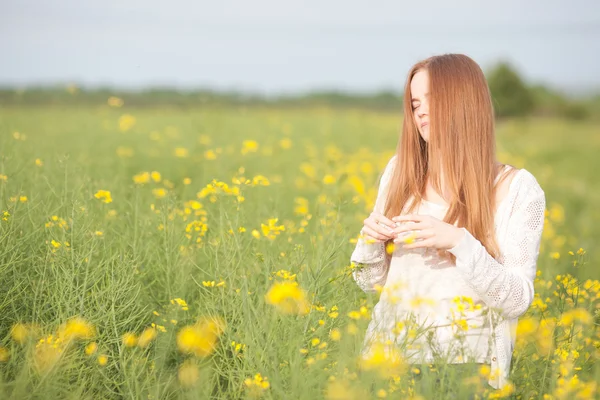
x: 20, y: 332
x: 260, y: 180
x: 39, y: 162
x: 47, y: 354
x: 129, y: 339
x: 256, y: 386
x: 249, y: 146
x: 285, y: 143
x: 385, y: 359
x: 102, y: 359
x: 210, y: 155
x: 76, y: 328
x: 4, y: 354
x: 181, y: 152
x: 146, y: 337
x: 288, y: 298
x: 156, y: 176
x: 159, y: 193
x: 114, y: 101
x: 335, y: 335
x: 126, y: 122
x: 103, y: 195
x: 124, y: 152
x: 329, y: 179
x: 91, y: 348
x: 188, y: 374
x: 201, y: 338
x: 142, y: 177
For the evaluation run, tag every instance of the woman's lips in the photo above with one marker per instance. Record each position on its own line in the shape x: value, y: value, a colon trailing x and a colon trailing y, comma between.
x: 424, y: 123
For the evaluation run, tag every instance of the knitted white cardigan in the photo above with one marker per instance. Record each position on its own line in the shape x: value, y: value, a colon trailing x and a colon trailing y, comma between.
x: 505, y: 285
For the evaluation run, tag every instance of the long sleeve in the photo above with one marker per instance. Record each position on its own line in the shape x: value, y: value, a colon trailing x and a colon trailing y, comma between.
x: 507, y: 286
x: 371, y: 264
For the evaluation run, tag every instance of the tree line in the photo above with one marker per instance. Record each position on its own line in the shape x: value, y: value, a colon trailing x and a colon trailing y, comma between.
x: 511, y: 95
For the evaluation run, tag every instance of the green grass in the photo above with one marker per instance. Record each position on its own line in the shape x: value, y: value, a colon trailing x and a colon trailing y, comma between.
x: 143, y: 259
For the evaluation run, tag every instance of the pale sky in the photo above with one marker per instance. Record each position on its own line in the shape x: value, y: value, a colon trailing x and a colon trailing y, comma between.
x: 269, y: 46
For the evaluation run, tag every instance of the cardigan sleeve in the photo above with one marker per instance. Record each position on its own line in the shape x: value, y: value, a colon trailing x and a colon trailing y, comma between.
x: 507, y: 285
x: 370, y: 262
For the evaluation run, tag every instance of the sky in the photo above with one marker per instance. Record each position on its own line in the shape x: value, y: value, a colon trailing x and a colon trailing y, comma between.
x: 281, y: 47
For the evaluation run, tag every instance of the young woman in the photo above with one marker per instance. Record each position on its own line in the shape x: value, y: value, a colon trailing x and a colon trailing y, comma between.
x: 466, y: 229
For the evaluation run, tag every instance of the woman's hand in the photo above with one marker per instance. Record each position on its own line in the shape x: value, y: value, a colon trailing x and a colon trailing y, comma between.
x: 378, y: 228
x: 428, y: 231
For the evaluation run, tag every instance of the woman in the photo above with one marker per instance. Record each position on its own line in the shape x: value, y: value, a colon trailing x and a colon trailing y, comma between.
x: 466, y: 229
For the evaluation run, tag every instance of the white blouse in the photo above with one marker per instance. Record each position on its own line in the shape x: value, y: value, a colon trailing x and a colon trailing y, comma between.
x: 420, y: 284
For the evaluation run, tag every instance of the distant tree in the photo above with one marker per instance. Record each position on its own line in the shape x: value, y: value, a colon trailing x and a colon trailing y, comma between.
x: 510, y: 95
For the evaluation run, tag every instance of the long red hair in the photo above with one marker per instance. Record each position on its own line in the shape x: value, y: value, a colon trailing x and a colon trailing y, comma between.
x: 461, y: 143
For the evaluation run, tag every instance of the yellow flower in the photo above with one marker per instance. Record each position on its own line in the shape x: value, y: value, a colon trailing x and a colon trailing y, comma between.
x: 99, y: 233
x: 23, y: 199
x: 76, y: 328
x: 142, y: 177
x: 159, y: 193
x: 249, y: 146
x: 129, y: 339
x: 285, y: 143
x: 187, y: 181
x: 126, y: 122
x: 115, y: 101
x: 308, y: 169
x: 341, y: 390
x: 47, y: 354
x: 3, y: 178
x: 102, y: 359
x: 385, y: 359
x: 580, y: 315
x: 20, y: 332
x: 55, y: 244
x: 260, y: 180
x: 181, y: 152
x: 39, y: 162
x: 91, y: 348
x: 288, y: 298
x: 201, y: 338
x: 103, y: 195
x: 188, y: 374
x: 335, y: 335
x: 147, y: 336
x: 155, y: 175
x: 204, y: 139
x: 329, y: 179
x: 210, y: 155
x: 257, y: 386
x: 124, y: 152
x: 4, y: 354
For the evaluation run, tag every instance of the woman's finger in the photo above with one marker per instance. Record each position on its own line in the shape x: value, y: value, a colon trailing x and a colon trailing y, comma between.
x: 379, y: 227
x: 415, y: 236
x: 380, y: 218
x: 410, y: 217
x: 374, y: 234
x: 412, y: 226
x: 420, y: 244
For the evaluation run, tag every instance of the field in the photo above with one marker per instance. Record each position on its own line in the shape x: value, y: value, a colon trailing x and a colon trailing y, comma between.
x: 154, y: 253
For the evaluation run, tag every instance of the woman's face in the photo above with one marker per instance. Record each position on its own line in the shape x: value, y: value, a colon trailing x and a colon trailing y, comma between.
x: 419, y: 88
